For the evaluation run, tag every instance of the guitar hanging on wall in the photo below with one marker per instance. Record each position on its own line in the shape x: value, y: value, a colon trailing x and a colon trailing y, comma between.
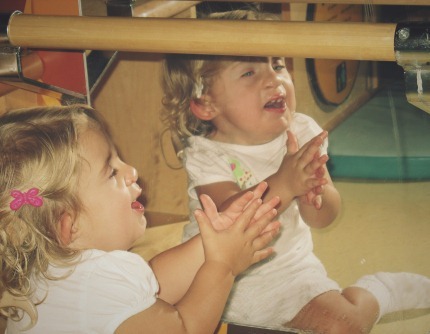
x: 332, y: 80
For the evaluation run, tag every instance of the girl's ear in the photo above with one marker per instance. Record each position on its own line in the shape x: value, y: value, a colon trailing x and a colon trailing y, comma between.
x: 66, y: 229
x: 202, y: 108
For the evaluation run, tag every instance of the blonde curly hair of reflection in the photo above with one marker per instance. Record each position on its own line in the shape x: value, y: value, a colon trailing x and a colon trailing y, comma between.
x: 188, y: 77
x: 39, y: 148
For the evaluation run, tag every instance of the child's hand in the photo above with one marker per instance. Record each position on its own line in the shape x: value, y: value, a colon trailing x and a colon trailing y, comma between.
x: 243, y: 243
x: 313, y: 197
x: 222, y: 220
x: 304, y: 168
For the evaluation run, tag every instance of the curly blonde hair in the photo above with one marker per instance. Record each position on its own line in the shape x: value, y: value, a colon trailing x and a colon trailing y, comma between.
x: 39, y: 148
x: 187, y: 77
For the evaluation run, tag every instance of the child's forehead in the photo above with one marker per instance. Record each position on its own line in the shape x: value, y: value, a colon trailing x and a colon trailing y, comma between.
x: 242, y: 59
x: 230, y: 61
x: 96, y: 135
x: 96, y: 150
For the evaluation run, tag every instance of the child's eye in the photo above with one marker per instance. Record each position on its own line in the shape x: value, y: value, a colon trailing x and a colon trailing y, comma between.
x: 278, y: 67
x: 278, y: 64
x: 248, y: 74
x: 113, y: 173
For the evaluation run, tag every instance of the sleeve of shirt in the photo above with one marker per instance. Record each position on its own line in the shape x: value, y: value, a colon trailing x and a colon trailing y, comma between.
x: 121, y: 285
x: 306, y: 128
x: 205, y: 165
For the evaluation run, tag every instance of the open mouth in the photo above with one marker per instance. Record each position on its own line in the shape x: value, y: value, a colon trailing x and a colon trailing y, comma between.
x: 278, y: 103
x: 136, y: 205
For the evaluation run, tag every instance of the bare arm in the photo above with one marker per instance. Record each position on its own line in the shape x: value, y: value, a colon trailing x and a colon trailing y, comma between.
x: 313, y: 215
x: 303, y: 175
x: 176, y: 267
x: 162, y: 317
x: 323, y: 213
x: 226, y: 254
x: 197, y: 313
x: 296, y: 176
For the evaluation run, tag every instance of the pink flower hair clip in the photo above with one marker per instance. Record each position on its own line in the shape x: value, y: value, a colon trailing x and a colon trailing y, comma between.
x: 21, y: 198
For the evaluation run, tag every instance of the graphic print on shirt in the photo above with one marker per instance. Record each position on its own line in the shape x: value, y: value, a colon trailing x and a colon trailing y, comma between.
x: 242, y: 174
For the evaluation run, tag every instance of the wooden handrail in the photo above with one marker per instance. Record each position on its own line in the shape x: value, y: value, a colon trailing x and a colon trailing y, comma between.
x: 324, y: 40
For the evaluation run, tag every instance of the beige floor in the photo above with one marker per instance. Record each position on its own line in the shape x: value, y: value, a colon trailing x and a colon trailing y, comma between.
x: 382, y: 227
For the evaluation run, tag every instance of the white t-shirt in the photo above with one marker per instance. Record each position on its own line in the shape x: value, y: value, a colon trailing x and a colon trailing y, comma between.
x: 103, y: 290
x: 208, y: 161
x: 259, y: 288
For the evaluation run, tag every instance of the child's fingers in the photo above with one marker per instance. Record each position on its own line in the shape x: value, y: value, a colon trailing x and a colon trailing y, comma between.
x: 307, y: 153
x: 312, y: 148
x: 315, y: 182
x: 209, y: 207
x: 264, y: 239
x: 262, y: 254
x: 317, y: 202
x: 320, y: 172
x: 246, y: 217
x: 267, y: 206
x: 272, y: 227
x: 204, y: 222
x: 316, y: 166
x: 323, y: 135
x: 314, y: 197
x: 292, y: 144
x: 241, y: 203
x: 260, y: 189
x: 257, y: 227
x: 318, y: 190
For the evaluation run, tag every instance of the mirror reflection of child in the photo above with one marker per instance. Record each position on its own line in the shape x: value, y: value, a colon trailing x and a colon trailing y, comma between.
x: 238, y: 115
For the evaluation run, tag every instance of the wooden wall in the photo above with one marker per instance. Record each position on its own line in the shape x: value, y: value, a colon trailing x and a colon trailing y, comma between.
x: 130, y: 99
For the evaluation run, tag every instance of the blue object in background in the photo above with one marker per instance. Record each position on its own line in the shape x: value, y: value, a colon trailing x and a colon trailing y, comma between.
x: 385, y: 139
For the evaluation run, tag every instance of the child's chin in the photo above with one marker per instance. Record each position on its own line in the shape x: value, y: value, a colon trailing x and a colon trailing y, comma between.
x: 142, y: 225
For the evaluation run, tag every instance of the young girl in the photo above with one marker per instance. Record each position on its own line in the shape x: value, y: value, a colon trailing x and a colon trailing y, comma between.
x: 238, y: 117
x: 68, y: 214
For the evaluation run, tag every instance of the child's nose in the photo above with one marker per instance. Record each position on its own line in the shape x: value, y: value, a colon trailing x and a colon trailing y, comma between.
x: 273, y: 79
x: 130, y: 175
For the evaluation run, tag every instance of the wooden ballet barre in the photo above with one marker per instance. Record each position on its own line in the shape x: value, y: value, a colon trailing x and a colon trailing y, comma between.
x: 324, y: 40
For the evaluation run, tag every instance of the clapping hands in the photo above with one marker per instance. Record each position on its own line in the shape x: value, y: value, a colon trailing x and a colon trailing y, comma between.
x: 307, y: 168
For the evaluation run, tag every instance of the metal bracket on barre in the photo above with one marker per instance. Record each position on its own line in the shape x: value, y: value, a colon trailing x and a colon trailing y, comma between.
x: 412, y: 49
x: 13, y: 61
